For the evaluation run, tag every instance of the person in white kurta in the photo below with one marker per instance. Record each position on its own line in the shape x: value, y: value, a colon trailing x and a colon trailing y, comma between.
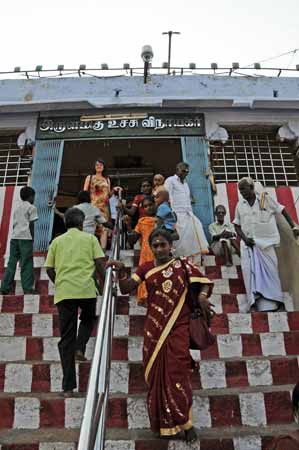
x: 192, y: 242
x: 255, y: 223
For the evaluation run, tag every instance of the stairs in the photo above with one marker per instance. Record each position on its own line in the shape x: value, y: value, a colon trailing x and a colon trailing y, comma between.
x: 241, y: 392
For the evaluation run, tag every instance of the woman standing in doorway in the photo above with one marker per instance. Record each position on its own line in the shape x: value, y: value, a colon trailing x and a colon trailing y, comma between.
x: 99, y: 187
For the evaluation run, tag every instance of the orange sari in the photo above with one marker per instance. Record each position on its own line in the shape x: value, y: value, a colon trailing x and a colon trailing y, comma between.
x: 144, y: 227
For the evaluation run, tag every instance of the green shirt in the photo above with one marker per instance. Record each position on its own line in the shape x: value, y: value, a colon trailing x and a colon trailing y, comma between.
x: 73, y: 255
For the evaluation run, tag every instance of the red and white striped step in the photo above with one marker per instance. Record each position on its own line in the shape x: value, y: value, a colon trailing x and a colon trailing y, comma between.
x: 22, y: 348
x: 250, y: 370
x: 255, y: 409
x: 47, y: 325
x: 127, y: 378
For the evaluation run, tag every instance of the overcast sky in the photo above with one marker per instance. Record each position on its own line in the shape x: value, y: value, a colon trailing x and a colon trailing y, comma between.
x: 73, y: 32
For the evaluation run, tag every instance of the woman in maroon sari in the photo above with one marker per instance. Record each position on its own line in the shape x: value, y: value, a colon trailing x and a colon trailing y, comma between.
x: 289, y: 441
x: 166, y: 357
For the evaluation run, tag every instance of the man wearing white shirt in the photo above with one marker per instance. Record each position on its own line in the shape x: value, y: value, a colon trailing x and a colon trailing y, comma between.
x: 255, y: 223
x: 192, y: 242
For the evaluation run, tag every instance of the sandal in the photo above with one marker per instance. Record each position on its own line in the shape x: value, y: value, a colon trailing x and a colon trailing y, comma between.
x: 190, y: 435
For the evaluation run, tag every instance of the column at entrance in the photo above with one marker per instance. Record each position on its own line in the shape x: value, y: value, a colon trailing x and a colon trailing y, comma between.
x: 195, y: 153
x: 45, y: 180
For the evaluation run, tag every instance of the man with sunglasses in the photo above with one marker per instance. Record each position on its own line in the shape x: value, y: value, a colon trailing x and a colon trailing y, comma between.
x: 192, y: 242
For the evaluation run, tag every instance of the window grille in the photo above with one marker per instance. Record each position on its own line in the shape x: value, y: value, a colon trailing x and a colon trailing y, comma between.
x: 14, y: 169
x: 257, y: 154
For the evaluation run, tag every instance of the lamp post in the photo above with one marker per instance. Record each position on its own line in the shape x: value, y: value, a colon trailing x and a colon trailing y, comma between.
x: 170, y: 33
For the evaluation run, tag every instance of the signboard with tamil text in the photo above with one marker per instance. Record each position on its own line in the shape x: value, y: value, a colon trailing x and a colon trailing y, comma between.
x: 153, y: 125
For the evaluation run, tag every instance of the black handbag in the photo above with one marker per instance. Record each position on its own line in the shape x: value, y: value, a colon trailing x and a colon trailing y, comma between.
x: 200, y: 336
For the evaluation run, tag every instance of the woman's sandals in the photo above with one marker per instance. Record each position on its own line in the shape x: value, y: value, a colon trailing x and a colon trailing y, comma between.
x: 191, y: 435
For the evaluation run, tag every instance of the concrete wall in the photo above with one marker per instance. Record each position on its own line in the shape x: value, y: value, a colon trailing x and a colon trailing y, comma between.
x: 161, y: 90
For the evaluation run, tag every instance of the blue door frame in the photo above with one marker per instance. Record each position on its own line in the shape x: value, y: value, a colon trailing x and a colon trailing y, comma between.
x: 195, y: 153
x: 45, y: 179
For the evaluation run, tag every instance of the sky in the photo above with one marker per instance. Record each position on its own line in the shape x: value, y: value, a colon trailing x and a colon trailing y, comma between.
x: 92, y: 32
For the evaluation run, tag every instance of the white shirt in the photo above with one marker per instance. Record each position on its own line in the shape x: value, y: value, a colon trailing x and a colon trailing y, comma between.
x: 179, y: 194
x: 113, y: 202
x: 93, y: 217
x: 259, y: 223
x: 23, y: 215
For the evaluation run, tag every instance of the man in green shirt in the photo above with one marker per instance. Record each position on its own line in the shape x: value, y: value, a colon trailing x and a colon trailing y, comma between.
x: 71, y: 263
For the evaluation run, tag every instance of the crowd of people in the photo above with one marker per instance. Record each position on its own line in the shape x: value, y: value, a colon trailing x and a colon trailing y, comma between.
x: 172, y: 245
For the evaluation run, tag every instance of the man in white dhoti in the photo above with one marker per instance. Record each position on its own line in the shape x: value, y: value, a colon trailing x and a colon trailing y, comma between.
x: 192, y: 242
x: 256, y: 225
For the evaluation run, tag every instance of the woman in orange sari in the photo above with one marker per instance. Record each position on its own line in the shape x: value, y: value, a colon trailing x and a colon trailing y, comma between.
x: 143, y: 229
x: 99, y: 187
x: 166, y: 357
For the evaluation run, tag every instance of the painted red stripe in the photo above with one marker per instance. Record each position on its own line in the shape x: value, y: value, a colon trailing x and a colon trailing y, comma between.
x: 4, y: 227
x: 285, y: 197
x: 232, y: 196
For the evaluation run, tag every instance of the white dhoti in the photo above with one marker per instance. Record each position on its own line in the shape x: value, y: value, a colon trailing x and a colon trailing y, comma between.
x: 261, y: 277
x: 217, y: 247
x: 192, y: 242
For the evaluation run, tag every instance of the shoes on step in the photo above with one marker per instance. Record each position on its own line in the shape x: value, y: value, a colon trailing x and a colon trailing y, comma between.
x: 4, y: 292
x: 68, y: 393
x: 79, y: 356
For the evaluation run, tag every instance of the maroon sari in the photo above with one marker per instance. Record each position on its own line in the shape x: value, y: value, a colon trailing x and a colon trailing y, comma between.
x: 166, y: 356
x: 289, y: 442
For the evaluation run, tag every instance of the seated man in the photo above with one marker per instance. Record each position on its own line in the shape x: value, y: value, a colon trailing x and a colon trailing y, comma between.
x: 223, y: 236
x: 256, y: 225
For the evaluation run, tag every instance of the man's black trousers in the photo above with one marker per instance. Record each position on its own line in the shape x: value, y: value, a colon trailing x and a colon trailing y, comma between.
x: 70, y: 341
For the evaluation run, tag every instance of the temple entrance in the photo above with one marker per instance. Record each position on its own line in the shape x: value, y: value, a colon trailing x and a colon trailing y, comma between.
x: 128, y: 161
x: 62, y: 162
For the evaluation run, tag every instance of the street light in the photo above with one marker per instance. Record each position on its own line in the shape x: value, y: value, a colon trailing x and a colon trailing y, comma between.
x: 170, y: 33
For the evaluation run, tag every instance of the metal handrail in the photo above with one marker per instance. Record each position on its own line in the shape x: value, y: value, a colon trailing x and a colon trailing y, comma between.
x: 92, y: 432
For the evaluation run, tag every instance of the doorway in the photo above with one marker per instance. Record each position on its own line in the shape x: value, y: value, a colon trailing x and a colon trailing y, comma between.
x: 60, y: 168
x: 128, y: 161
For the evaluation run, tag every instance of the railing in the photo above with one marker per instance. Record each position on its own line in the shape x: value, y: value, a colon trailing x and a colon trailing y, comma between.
x: 92, y: 432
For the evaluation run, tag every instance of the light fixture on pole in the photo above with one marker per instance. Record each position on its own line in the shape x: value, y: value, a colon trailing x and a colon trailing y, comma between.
x: 82, y: 67
x: 60, y: 68
x: 147, y: 55
x: 170, y: 33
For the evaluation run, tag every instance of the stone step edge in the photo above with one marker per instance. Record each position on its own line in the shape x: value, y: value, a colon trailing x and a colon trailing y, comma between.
x: 226, y: 432
x: 214, y: 392
x: 139, y: 363
x: 42, y: 435
x: 70, y: 436
x: 142, y: 395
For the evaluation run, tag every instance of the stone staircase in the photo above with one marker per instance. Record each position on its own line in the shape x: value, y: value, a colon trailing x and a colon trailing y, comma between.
x: 241, y: 392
